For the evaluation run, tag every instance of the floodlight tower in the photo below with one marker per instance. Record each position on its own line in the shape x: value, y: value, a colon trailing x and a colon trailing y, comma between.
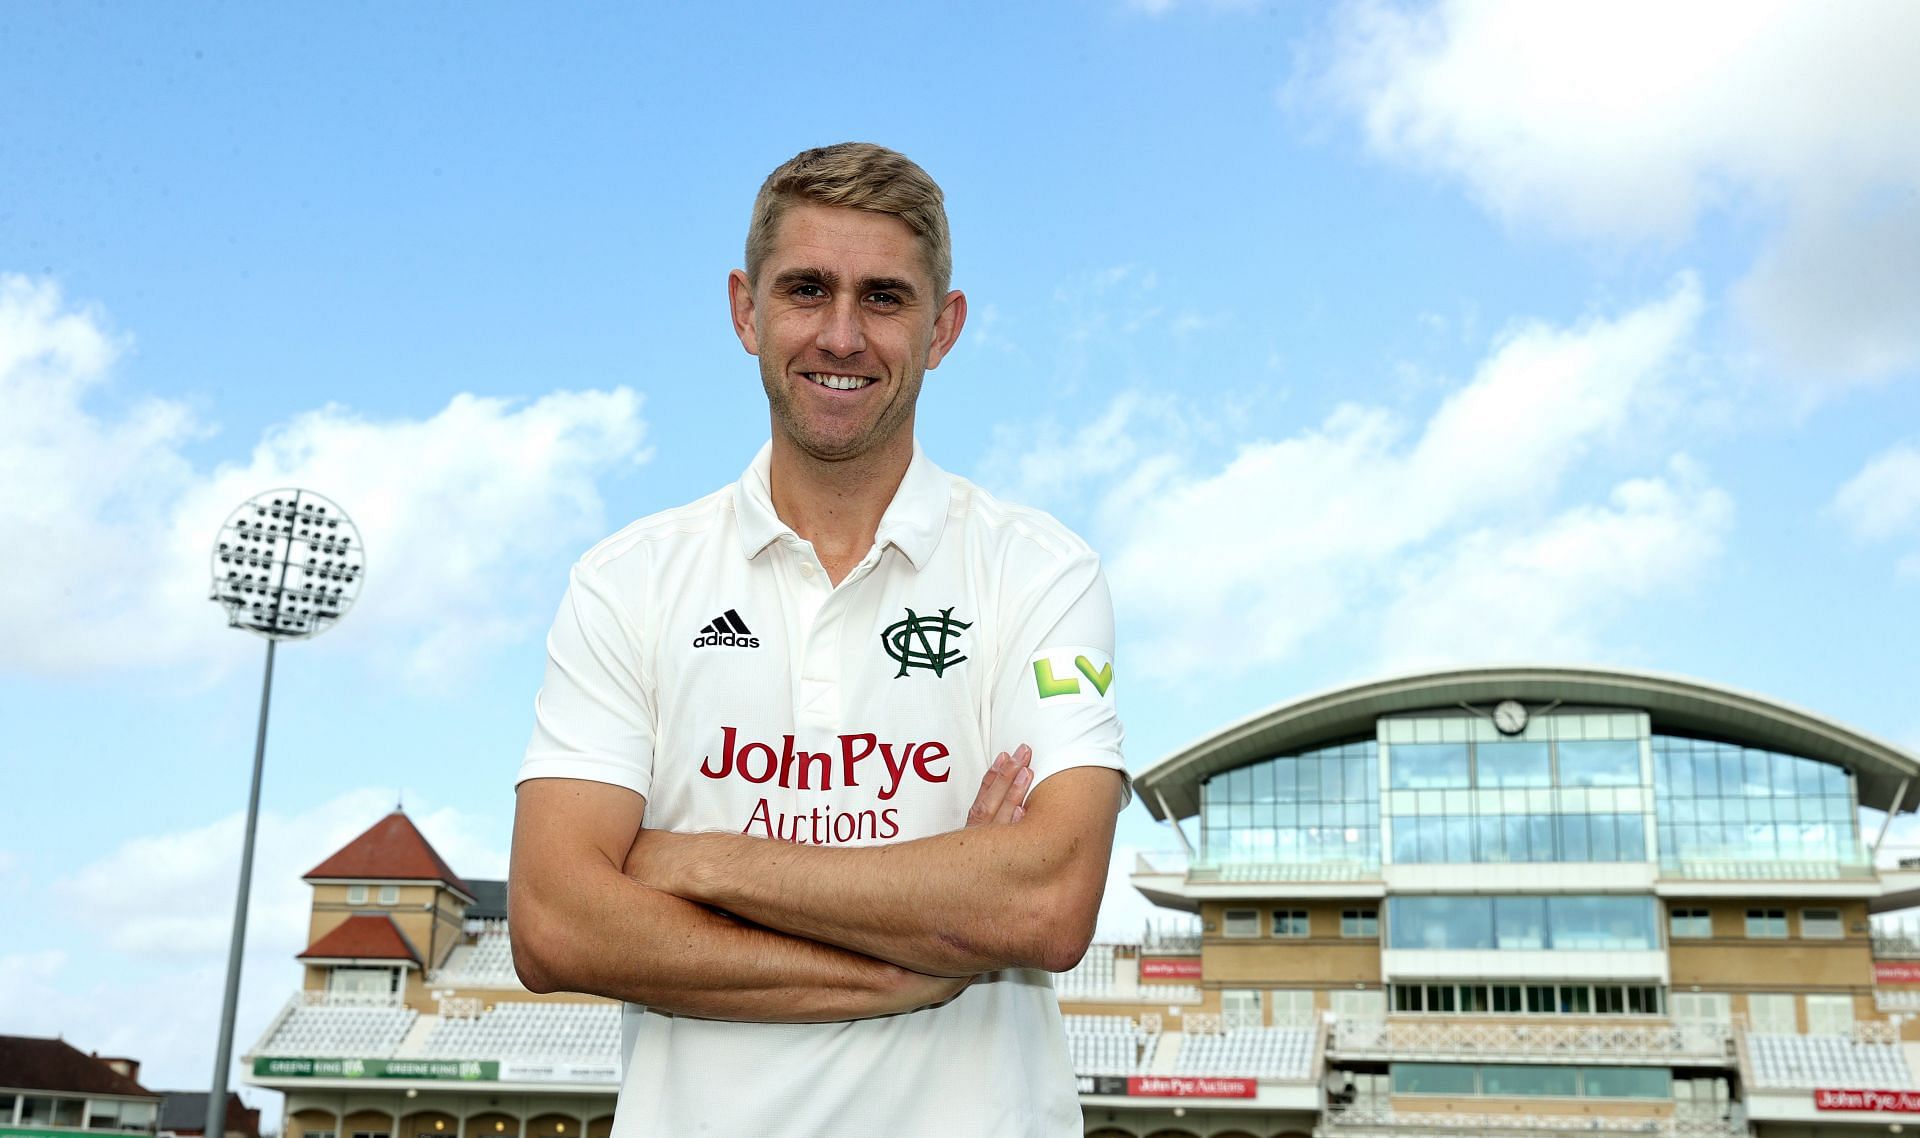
x: 287, y: 565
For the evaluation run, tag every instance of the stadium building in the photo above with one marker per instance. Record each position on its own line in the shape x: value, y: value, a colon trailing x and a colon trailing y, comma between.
x: 1497, y: 901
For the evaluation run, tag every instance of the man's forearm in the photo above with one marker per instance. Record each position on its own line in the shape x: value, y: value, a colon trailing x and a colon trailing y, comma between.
x: 677, y: 956
x: 960, y: 903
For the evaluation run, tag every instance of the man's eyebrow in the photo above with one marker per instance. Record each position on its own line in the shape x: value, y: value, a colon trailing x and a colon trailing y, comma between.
x: 827, y: 278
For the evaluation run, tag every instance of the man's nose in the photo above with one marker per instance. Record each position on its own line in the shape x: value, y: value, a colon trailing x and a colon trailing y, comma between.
x: 841, y: 333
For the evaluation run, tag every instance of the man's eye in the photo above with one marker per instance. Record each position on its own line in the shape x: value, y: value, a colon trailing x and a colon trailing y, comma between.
x: 808, y: 290
x: 886, y: 298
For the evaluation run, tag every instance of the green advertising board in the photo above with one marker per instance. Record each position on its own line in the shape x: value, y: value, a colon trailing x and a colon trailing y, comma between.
x: 33, y: 1132
x: 457, y: 1070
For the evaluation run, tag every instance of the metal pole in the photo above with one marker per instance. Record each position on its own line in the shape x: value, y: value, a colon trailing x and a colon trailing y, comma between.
x: 217, y: 1094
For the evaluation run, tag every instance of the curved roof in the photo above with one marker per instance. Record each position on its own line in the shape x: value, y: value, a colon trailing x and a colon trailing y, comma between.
x: 1678, y: 705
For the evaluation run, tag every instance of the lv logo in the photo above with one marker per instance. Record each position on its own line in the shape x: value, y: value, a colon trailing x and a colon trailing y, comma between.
x: 1050, y: 685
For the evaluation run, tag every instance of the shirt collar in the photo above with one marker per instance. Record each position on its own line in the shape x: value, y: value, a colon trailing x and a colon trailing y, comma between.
x: 913, y: 522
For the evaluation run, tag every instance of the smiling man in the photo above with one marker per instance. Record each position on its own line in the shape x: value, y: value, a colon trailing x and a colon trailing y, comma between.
x: 825, y: 766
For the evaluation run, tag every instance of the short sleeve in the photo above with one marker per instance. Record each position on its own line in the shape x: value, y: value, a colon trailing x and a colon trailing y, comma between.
x: 1055, y: 690
x: 594, y: 716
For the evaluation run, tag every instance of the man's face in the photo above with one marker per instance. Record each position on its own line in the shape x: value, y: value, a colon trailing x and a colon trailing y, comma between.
x: 845, y: 323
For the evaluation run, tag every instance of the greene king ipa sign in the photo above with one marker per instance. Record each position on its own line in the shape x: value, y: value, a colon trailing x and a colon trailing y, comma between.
x: 458, y: 1070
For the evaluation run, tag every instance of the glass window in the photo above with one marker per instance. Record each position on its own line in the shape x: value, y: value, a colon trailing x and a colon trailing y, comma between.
x: 1290, y: 922
x: 36, y: 1110
x: 68, y: 1111
x: 1601, y: 922
x: 389, y: 894
x: 1541, y: 999
x: 1428, y: 766
x: 1609, y: 1000
x: 1627, y: 1082
x: 1611, y: 762
x: 1829, y: 1015
x: 102, y: 1114
x: 1360, y: 923
x: 1773, y: 1013
x: 1684, y: 924
x: 1559, y: 1082
x: 1242, y: 922
x: 1643, y: 1000
x: 1440, y: 922
x: 1512, y: 764
x: 1821, y: 924
x: 1575, y: 1000
x: 1433, y: 1079
x: 356, y: 894
x: 1520, y: 922
x: 1440, y: 998
x: 1767, y: 923
x: 139, y: 1115
x: 1406, y: 998
x: 1506, y: 998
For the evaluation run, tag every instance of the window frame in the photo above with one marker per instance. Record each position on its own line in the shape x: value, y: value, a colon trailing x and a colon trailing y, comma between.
x: 1838, y: 924
x: 1360, y: 924
x: 1676, y: 916
x: 1285, y: 921
x: 356, y: 894
x: 389, y: 894
x: 1768, y: 917
x: 1227, y: 922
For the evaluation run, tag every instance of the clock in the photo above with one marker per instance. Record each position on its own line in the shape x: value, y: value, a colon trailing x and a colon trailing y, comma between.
x: 1510, y: 717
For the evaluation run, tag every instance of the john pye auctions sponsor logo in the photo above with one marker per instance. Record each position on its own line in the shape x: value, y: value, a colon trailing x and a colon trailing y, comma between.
x: 793, y: 767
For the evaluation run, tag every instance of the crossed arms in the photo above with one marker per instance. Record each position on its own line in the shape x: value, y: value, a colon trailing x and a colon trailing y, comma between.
x: 724, y: 926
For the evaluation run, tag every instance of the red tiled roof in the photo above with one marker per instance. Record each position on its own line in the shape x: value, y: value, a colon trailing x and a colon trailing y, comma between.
x: 33, y: 1064
x: 369, y: 936
x: 391, y: 850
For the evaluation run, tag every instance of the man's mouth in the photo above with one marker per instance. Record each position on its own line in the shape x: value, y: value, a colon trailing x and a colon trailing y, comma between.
x: 838, y: 382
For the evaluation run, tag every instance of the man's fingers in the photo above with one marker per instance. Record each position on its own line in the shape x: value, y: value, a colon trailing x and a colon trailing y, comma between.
x: 1003, y: 789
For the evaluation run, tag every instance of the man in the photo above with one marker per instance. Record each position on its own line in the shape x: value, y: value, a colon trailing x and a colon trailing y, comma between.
x: 904, y: 683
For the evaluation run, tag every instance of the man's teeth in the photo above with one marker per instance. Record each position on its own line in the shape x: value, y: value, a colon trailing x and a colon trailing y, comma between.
x: 839, y: 382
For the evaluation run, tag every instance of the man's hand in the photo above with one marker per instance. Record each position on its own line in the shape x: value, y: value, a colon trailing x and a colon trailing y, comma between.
x: 1003, y: 792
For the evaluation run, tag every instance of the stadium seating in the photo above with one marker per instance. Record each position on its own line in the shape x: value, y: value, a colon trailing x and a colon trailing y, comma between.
x: 1092, y: 977
x: 530, y: 1031
x: 339, y: 1032
x: 1109, y: 1045
x: 1806, y: 1061
x: 487, y: 963
x: 1260, y: 1053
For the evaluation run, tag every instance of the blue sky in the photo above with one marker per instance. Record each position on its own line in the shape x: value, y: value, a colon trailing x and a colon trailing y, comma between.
x: 1358, y: 338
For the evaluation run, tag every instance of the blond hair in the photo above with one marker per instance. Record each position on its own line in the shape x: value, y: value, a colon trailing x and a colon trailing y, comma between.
x: 859, y: 175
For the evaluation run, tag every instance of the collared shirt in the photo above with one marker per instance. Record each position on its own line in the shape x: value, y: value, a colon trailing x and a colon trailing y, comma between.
x: 703, y: 659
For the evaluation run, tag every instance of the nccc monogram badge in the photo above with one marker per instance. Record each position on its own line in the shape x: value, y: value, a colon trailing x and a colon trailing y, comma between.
x: 921, y: 641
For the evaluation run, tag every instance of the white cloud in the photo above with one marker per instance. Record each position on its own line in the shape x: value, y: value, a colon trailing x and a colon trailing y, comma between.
x: 1343, y: 521
x: 155, y: 913
x: 1883, y: 499
x: 1631, y: 120
x: 1548, y: 592
x: 455, y: 509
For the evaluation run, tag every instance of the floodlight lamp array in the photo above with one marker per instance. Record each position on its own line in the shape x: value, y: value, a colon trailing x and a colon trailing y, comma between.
x: 287, y: 564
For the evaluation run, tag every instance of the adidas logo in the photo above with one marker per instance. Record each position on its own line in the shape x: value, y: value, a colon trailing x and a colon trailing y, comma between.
x: 727, y: 631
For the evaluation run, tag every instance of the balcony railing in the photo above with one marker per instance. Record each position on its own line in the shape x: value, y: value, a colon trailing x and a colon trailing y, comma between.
x: 1287, y: 871
x: 1897, y: 999
x: 1708, y: 1043
x: 1896, y: 944
x: 1734, y: 869
x: 325, y: 999
x: 1384, y: 1122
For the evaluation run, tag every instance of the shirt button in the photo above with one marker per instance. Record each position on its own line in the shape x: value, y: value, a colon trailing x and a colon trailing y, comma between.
x: 806, y: 568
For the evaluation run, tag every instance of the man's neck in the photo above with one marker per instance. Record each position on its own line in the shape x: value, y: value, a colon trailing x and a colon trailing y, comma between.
x: 836, y: 506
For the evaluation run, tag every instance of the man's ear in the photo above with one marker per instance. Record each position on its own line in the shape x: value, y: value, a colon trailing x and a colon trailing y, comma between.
x: 946, y: 327
x: 740, y: 300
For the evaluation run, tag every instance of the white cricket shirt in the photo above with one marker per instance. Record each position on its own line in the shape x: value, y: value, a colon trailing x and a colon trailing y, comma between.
x: 702, y: 659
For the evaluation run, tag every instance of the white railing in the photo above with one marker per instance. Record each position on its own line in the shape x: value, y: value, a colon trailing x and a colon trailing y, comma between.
x: 1733, y: 869
x: 320, y: 998
x: 1606, y: 1043
x: 1875, y: 1031
x: 1369, y: 1121
x: 1161, y: 936
x: 461, y: 1007
x: 1900, y: 944
x: 1160, y: 861
x: 1897, y: 999
x: 1287, y: 871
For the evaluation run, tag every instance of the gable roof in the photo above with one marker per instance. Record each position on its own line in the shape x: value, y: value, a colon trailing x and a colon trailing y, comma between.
x: 392, y: 849
x: 30, y: 1063
x: 367, y: 936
